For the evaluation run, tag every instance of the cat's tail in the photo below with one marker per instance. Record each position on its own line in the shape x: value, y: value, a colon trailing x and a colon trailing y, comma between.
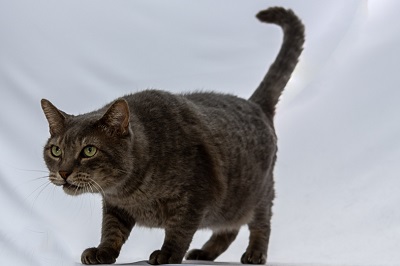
x: 268, y: 93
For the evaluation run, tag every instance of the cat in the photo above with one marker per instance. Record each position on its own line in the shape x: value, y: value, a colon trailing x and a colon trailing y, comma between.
x: 181, y: 162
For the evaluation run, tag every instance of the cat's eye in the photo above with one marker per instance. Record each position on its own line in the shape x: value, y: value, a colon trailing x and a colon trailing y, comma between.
x: 56, y: 151
x: 89, y: 151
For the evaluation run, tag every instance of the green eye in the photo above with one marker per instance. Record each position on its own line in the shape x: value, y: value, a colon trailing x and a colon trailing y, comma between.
x: 55, y: 151
x: 89, y: 151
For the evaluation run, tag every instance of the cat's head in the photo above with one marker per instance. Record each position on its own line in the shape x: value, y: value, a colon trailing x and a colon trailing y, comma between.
x: 89, y: 152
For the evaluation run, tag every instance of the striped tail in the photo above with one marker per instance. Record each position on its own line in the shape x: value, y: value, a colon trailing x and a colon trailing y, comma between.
x: 268, y: 93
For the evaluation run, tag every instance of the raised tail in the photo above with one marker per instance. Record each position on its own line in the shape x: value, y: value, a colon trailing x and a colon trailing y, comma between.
x: 268, y: 92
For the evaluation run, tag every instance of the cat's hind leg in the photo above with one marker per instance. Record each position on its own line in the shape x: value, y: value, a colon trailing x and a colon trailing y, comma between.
x: 215, y: 246
x: 260, y: 230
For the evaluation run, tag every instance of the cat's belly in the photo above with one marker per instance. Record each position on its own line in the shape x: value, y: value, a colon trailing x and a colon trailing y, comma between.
x: 153, y: 219
x: 161, y: 215
x: 219, y: 222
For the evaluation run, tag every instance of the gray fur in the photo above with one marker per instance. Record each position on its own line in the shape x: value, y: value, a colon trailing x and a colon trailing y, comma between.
x: 179, y: 162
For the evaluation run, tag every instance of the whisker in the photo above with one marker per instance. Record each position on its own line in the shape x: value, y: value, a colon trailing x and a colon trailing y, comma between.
x: 76, y: 189
x: 78, y: 210
x: 40, y: 192
x: 90, y: 186
x: 100, y: 190
x: 94, y: 188
x: 25, y: 182
x: 30, y: 170
x: 54, y: 188
x: 90, y: 201
x: 37, y: 178
x: 39, y: 187
x: 97, y: 186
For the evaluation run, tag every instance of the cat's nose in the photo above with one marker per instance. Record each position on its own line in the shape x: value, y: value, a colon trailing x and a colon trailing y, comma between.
x: 64, y: 174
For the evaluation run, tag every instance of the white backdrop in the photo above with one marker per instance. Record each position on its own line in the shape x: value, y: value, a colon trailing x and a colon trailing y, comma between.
x: 337, y: 176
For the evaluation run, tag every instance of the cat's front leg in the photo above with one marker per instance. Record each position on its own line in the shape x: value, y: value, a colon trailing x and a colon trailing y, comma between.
x: 116, y: 227
x: 176, y: 243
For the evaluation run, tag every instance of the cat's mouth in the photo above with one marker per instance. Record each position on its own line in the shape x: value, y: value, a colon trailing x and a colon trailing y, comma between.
x: 72, y: 189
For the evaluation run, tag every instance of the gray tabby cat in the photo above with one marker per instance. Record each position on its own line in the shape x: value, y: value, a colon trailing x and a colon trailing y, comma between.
x: 179, y: 162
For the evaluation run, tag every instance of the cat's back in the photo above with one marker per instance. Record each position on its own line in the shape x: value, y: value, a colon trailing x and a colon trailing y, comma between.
x: 233, y: 117
x: 214, y: 110
x: 230, y: 107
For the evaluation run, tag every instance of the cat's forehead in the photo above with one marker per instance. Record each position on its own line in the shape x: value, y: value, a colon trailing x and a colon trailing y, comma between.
x: 79, y: 125
x: 79, y: 131
x: 72, y: 139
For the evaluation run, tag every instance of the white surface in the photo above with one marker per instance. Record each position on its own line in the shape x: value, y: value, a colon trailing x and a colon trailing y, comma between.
x: 337, y: 176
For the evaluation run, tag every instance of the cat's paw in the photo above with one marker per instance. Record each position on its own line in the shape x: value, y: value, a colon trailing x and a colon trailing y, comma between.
x: 253, y: 257
x: 99, y: 256
x: 163, y: 257
x: 199, y: 254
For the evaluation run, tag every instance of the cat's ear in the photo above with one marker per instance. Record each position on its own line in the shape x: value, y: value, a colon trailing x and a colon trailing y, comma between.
x: 55, y: 117
x: 116, y: 119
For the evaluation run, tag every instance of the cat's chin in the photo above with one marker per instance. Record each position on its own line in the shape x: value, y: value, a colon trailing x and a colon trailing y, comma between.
x: 73, y: 190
